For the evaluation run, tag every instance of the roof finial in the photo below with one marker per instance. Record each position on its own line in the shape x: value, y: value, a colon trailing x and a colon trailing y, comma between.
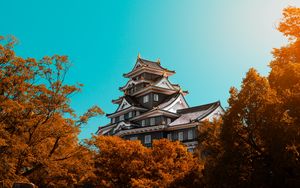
x: 139, y: 55
x: 158, y: 61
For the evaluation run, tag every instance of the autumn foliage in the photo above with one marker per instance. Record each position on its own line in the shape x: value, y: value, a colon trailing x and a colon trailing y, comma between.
x: 39, y: 133
x: 258, y: 143
x: 38, y: 128
x: 255, y: 144
x: 121, y: 163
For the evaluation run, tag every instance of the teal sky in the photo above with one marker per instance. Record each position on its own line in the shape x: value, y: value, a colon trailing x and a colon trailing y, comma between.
x: 210, y: 44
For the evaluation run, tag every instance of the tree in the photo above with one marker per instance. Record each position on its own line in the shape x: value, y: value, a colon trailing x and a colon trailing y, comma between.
x: 124, y: 163
x: 259, y: 139
x: 38, y: 128
x: 285, y: 67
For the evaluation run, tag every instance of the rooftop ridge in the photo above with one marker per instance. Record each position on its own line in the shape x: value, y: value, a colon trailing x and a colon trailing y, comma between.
x: 147, y: 60
x: 199, y: 108
x: 157, y: 63
x: 148, y: 64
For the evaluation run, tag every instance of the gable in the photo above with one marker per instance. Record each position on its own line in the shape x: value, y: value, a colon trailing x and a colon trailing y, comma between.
x: 124, y: 104
x: 137, y: 65
x: 178, y: 104
x: 130, y: 83
x: 216, y: 114
x: 120, y: 126
x: 164, y: 83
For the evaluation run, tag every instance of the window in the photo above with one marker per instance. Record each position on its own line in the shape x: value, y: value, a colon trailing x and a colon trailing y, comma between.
x: 155, y: 97
x: 169, y: 136
x: 143, y: 123
x: 133, y: 138
x: 152, y: 121
x: 168, y: 121
x: 146, y: 99
x: 147, y: 139
x: 191, y: 150
x: 180, y: 136
x: 130, y: 115
x: 190, y: 134
x: 121, y: 117
x: 113, y: 120
x: 137, y: 113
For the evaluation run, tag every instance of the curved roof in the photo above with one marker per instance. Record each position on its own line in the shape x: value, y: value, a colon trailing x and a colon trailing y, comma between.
x: 134, y: 104
x: 168, y: 100
x: 169, y: 103
x: 154, y: 65
x: 133, y: 83
x: 196, y: 113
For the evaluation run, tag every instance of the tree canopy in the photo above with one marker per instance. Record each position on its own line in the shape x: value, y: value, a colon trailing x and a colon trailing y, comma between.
x: 124, y: 163
x: 38, y: 127
x: 258, y: 143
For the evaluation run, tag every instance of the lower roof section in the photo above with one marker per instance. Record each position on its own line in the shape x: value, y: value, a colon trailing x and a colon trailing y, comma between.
x: 187, y: 118
x: 199, y: 113
x: 141, y: 130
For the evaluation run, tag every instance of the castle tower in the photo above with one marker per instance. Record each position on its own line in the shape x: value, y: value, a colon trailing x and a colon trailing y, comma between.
x: 153, y: 108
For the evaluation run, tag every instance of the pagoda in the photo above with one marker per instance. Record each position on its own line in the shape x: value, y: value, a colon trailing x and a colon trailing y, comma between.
x: 153, y: 108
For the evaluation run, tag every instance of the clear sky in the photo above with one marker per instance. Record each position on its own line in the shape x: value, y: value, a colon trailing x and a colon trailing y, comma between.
x: 210, y: 44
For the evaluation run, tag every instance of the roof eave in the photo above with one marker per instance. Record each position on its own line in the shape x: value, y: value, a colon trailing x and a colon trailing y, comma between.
x: 149, y: 113
x: 150, y: 70
x: 117, y: 101
x: 210, y: 112
x: 182, y: 126
x: 153, y: 89
x: 125, y: 110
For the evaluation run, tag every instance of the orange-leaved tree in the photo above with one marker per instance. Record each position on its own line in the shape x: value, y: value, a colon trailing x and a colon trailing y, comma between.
x: 124, y: 163
x: 258, y: 142
x: 38, y: 128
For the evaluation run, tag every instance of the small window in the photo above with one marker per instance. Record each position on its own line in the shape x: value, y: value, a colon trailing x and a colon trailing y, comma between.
x: 152, y: 121
x: 143, y: 123
x: 113, y: 120
x: 169, y: 136
x: 155, y: 97
x: 130, y: 115
x: 121, y: 117
x: 190, y: 134
x: 168, y: 121
x: 180, y: 136
x: 133, y: 138
x: 146, y: 99
x: 191, y: 150
x: 137, y: 113
x: 147, y: 139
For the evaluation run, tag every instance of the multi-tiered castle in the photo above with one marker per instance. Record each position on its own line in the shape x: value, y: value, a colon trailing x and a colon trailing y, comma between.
x: 154, y: 108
